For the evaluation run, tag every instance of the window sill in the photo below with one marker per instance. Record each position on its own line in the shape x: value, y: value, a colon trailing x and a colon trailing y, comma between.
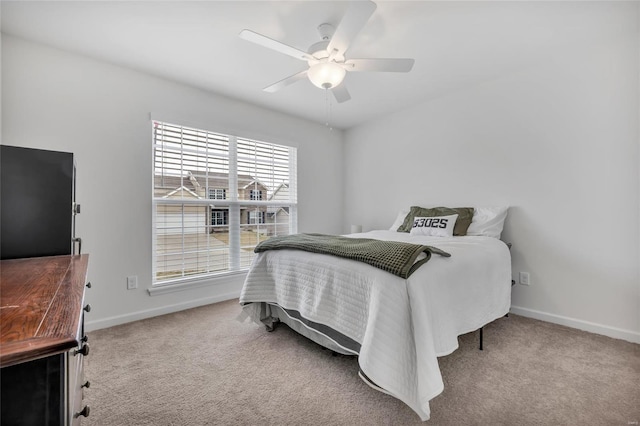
x: 196, y: 282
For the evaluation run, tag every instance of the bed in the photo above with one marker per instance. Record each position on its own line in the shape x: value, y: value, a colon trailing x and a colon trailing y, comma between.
x: 397, y: 327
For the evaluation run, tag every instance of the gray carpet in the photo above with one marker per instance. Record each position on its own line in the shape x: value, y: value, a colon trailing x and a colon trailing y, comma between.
x: 202, y: 367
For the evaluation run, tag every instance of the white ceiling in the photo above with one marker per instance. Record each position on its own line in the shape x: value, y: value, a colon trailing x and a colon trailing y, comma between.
x: 455, y: 44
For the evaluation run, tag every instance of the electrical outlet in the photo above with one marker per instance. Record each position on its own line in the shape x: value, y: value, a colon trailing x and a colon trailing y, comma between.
x: 524, y: 278
x: 132, y: 282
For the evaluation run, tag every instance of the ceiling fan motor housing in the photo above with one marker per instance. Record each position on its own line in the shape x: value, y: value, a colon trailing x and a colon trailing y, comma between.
x: 319, y: 50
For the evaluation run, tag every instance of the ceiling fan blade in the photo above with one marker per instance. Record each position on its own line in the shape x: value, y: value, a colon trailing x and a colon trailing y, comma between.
x: 274, y: 45
x: 352, y: 22
x: 381, y: 64
x: 286, y: 82
x: 341, y: 93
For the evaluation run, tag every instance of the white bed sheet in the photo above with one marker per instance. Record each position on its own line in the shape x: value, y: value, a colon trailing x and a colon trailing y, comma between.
x: 402, y: 325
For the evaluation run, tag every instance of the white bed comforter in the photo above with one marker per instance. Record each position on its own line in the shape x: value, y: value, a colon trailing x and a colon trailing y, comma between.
x: 402, y: 325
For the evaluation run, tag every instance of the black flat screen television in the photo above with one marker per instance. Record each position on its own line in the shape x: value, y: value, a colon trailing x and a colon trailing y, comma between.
x: 37, y: 195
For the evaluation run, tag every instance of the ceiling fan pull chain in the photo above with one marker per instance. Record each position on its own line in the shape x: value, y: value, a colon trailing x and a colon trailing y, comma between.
x: 327, y: 109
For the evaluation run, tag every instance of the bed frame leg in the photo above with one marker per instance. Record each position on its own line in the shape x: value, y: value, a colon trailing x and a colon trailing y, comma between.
x: 506, y: 315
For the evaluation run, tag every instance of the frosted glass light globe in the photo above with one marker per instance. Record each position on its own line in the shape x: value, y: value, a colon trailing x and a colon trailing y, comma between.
x: 326, y: 75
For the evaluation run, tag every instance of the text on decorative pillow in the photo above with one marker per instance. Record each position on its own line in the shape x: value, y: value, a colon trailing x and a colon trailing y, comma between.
x: 431, y: 222
x: 434, y: 226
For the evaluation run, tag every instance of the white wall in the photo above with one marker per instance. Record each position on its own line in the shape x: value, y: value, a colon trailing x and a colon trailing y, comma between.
x: 60, y: 101
x: 557, y: 141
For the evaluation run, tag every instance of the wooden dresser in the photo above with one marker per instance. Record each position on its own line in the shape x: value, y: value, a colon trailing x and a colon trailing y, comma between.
x: 42, y: 340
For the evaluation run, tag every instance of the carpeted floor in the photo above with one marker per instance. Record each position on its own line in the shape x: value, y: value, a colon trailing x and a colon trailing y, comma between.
x: 202, y: 367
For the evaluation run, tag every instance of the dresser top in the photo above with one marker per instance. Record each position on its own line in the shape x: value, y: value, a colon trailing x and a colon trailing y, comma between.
x: 41, y: 302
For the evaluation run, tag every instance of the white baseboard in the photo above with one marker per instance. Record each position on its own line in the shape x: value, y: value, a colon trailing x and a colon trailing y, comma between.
x: 605, y: 330
x: 135, y: 316
x: 616, y: 333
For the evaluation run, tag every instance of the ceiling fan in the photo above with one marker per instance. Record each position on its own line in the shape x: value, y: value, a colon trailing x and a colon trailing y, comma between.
x: 326, y: 59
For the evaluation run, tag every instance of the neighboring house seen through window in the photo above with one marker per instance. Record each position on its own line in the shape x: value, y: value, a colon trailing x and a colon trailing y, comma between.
x: 215, y: 197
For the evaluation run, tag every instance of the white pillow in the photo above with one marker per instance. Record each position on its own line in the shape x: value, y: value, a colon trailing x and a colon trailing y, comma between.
x: 399, y: 219
x: 488, y: 221
x: 439, y: 226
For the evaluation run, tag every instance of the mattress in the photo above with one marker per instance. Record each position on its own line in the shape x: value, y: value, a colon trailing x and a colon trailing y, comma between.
x: 400, y: 325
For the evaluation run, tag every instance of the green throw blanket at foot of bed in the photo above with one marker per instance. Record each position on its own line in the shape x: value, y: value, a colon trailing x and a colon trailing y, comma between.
x: 396, y: 257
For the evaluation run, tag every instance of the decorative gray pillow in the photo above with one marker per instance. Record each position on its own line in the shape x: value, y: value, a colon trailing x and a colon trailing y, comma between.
x: 465, y: 216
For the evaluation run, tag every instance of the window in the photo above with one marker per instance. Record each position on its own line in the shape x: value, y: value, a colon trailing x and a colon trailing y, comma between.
x: 217, y: 194
x: 256, y: 217
x: 255, y: 194
x: 219, y: 217
x: 215, y: 197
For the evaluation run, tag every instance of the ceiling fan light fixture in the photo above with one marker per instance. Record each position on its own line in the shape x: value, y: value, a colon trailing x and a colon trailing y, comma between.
x: 326, y: 75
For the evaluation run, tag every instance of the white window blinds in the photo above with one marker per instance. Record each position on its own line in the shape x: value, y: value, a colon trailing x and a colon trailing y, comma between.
x: 215, y: 197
